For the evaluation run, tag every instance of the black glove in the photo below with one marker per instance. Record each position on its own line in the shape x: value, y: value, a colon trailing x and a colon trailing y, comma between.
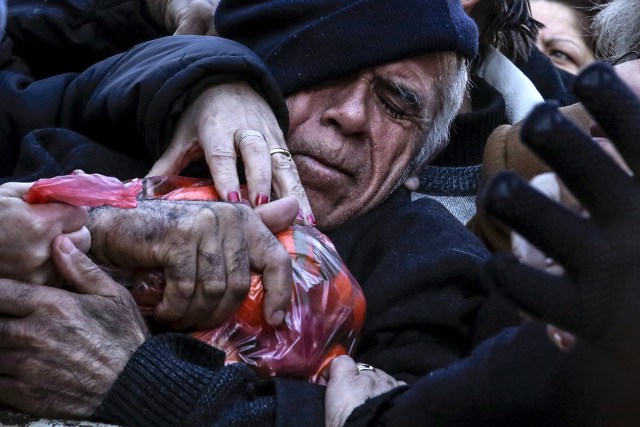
x: 598, y: 297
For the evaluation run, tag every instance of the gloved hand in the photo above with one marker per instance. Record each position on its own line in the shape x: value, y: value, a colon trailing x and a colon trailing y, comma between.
x: 598, y: 296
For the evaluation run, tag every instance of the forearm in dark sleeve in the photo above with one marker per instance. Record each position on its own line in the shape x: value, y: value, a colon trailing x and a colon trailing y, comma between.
x: 174, y: 380
x: 58, y: 36
x: 131, y: 101
x: 145, y: 90
x: 516, y: 378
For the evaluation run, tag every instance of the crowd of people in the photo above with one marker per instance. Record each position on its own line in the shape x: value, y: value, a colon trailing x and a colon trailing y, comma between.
x: 404, y: 131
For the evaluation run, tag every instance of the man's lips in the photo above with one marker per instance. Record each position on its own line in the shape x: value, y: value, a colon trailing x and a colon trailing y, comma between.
x: 320, y: 163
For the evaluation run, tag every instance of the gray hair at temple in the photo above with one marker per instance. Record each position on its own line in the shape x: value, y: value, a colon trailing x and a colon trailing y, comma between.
x: 3, y: 15
x: 617, y: 25
x: 451, y: 88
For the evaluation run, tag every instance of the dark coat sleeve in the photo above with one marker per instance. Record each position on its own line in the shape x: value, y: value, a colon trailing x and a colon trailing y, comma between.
x: 59, y: 36
x: 516, y: 378
x: 419, y: 269
x: 175, y: 380
x: 130, y: 102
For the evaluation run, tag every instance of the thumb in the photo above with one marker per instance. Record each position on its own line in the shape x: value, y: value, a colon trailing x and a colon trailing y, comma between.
x: 15, y: 189
x: 279, y: 214
x: 176, y: 157
x: 167, y: 164
x: 342, y: 367
x: 79, y: 271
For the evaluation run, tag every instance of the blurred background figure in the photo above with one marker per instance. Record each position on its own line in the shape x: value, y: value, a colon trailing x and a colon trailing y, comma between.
x: 566, y: 38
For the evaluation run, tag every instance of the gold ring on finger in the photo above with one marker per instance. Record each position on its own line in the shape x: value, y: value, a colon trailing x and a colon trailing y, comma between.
x: 282, y: 151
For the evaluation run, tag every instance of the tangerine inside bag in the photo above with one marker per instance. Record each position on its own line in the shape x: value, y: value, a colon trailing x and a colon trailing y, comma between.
x: 327, y: 304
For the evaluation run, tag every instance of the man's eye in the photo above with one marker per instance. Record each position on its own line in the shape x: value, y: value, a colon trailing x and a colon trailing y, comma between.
x: 392, y: 110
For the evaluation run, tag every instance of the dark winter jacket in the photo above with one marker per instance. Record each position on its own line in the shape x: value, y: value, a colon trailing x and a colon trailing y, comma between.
x: 128, y: 102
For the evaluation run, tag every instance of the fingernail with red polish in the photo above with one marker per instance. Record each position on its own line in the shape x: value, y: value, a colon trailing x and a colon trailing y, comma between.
x: 261, y: 199
x: 311, y: 219
x: 300, y: 218
x: 233, y: 197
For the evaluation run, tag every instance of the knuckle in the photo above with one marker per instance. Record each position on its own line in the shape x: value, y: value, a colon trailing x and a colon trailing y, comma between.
x: 252, y: 144
x: 241, y: 212
x: 80, y: 213
x: 184, y: 289
x: 281, y: 162
x: 223, y: 153
x: 89, y: 271
x: 263, y: 176
x: 277, y: 252
x: 298, y: 190
x: 210, y: 264
x: 207, y: 216
x: 239, y: 287
x: 14, y: 335
x: 213, y: 290
x: 39, y: 227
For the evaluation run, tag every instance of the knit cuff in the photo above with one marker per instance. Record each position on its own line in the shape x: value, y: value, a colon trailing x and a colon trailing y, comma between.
x: 298, y: 402
x: 161, y: 382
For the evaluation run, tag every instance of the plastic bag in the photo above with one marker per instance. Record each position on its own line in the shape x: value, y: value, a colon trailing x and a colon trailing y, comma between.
x: 85, y: 190
x: 327, y: 304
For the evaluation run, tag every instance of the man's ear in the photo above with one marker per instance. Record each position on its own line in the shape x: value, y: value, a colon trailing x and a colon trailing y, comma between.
x: 468, y: 4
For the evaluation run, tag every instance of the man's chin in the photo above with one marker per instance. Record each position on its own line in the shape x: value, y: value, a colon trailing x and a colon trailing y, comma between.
x: 330, y: 216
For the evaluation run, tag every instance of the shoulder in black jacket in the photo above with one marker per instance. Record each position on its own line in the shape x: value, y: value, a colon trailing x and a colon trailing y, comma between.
x: 128, y: 102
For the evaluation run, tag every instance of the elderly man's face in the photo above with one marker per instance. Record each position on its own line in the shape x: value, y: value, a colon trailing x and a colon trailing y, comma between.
x: 352, y: 139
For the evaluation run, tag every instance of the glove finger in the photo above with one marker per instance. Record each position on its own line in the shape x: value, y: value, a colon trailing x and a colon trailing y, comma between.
x: 551, y: 298
x: 574, y: 157
x: 615, y: 107
x: 557, y: 231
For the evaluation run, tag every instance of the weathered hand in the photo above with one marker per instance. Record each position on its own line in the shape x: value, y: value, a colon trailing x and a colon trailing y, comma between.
x: 60, y: 351
x: 210, y: 128
x: 348, y: 388
x: 207, y: 250
x: 27, y: 232
x: 193, y: 17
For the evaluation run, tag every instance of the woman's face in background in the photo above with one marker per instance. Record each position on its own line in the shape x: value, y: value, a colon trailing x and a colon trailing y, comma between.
x: 564, y: 39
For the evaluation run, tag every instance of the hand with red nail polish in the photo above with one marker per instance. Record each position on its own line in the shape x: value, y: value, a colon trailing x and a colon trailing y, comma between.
x: 261, y: 199
x: 230, y: 122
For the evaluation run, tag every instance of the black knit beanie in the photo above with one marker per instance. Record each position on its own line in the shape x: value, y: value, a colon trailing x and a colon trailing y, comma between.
x: 306, y: 42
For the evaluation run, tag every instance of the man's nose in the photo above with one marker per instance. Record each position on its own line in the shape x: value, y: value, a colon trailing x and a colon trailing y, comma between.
x: 347, y: 110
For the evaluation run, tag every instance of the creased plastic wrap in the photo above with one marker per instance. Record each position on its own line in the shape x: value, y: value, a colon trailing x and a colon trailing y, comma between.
x: 90, y: 190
